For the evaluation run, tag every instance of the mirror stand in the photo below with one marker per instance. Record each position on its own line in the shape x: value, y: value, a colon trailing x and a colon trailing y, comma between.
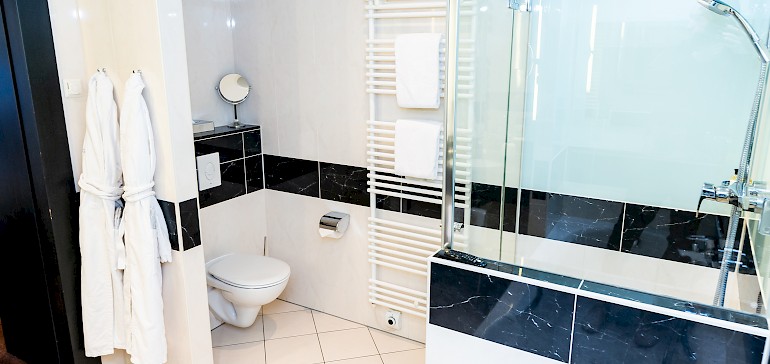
x: 236, y: 124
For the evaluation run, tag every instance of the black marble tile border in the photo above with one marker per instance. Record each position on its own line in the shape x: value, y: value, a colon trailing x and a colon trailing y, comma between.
x: 527, y: 310
x: 654, y: 232
x: 240, y: 159
x: 169, y: 214
x: 191, y: 229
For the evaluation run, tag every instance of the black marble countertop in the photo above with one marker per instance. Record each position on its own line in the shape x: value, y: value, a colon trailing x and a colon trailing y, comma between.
x: 719, y: 313
x: 224, y: 130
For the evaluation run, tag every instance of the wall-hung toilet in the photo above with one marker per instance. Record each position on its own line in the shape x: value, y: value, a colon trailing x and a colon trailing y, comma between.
x: 240, y: 284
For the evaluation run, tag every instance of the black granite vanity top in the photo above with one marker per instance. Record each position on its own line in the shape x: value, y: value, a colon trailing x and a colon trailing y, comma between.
x: 720, y: 313
x: 224, y: 130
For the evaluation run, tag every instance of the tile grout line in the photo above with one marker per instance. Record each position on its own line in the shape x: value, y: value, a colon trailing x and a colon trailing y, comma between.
x: 369, y: 330
x: 317, y: 338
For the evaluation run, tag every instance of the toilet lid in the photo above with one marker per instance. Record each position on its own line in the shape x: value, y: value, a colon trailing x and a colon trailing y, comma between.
x: 249, y: 270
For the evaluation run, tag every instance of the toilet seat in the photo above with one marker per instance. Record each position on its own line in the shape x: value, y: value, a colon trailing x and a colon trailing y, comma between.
x: 249, y: 271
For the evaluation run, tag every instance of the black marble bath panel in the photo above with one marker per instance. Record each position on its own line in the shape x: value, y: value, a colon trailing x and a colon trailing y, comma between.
x: 191, y: 229
x: 579, y: 220
x: 169, y: 214
x: 677, y: 235
x: 291, y: 175
x: 252, y: 143
x: 699, y: 309
x: 344, y: 184
x: 518, y: 315
x: 606, y: 332
x: 254, y: 178
x: 229, y: 147
x: 233, y: 184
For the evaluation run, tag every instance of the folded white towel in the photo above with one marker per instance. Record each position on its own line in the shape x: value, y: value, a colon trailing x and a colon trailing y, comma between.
x: 417, y: 148
x: 417, y: 70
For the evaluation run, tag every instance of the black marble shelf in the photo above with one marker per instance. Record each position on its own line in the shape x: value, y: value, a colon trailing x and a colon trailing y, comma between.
x: 224, y: 130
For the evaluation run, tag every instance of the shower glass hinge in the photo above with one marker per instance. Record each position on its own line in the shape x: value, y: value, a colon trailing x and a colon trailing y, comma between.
x: 520, y: 5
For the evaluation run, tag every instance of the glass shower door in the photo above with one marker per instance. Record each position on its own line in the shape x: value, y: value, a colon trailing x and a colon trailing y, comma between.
x: 615, y: 115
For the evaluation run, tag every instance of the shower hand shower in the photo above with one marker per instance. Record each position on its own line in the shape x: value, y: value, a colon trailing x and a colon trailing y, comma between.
x: 725, y: 9
x: 740, y: 193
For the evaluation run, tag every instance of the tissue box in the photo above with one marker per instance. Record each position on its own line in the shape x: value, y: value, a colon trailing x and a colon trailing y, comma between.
x: 200, y: 126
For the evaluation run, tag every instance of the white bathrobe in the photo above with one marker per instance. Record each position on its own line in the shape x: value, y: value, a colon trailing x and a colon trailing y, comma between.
x: 101, y: 248
x: 146, y: 235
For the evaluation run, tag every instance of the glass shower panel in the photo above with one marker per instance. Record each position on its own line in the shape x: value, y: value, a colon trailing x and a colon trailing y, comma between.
x: 481, y: 109
x: 626, y: 109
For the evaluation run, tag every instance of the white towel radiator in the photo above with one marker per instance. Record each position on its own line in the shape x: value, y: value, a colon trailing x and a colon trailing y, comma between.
x: 399, y: 245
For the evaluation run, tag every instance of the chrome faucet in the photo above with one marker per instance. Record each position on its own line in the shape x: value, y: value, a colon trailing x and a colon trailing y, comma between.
x: 752, y: 197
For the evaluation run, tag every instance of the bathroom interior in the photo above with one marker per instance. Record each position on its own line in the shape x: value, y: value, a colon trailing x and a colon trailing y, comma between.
x: 573, y: 211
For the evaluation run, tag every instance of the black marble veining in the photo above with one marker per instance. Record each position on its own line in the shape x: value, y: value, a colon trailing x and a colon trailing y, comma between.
x: 607, y: 332
x: 291, y: 175
x: 224, y: 130
x: 233, y: 184
x: 191, y: 230
x: 169, y: 214
x: 485, y: 206
x: 699, y: 309
x: 389, y: 203
x: 571, y: 219
x: 522, y: 316
x: 677, y: 235
x: 344, y: 183
x: 229, y: 147
x: 252, y: 143
x: 254, y: 179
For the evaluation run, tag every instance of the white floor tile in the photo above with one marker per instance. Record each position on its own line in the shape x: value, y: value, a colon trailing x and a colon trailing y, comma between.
x: 325, y: 322
x: 375, y: 359
x: 294, y: 350
x: 404, y: 357
x: 288, y: 324
x: 279, y: 306
x: 228, y: 335
x: 347, y: 344
x: 389, y: 343
x: 249, y: 353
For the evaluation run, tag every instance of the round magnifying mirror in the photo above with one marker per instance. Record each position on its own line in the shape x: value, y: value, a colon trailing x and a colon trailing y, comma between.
x: 233, y: 88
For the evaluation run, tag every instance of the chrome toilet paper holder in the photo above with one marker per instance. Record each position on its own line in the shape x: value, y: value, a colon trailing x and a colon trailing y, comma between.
x: 333, y: 224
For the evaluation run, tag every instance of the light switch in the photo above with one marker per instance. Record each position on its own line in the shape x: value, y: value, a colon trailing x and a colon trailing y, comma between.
x: 73, y: 87
x: 209, y: 175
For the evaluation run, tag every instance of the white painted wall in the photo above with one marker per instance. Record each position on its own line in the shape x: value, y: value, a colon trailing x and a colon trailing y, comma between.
x: 209, y: 40
x: 238, y: 225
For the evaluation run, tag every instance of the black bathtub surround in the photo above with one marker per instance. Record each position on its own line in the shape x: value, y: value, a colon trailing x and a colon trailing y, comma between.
x: 522, y: 316
x: 240, y: 162
x: 628, y: 335
x: 610, y: 324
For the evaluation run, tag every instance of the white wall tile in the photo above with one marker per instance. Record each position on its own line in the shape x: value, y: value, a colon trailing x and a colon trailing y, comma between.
x: 235, y: 225
x: 209, y: 39
x: 330, y: 275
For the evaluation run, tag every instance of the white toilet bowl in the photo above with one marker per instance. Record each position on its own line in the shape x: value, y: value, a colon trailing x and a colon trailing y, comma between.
x: 240, y: 284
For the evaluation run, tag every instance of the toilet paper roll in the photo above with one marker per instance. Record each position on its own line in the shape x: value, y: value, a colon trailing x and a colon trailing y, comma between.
x: 332, y: 234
